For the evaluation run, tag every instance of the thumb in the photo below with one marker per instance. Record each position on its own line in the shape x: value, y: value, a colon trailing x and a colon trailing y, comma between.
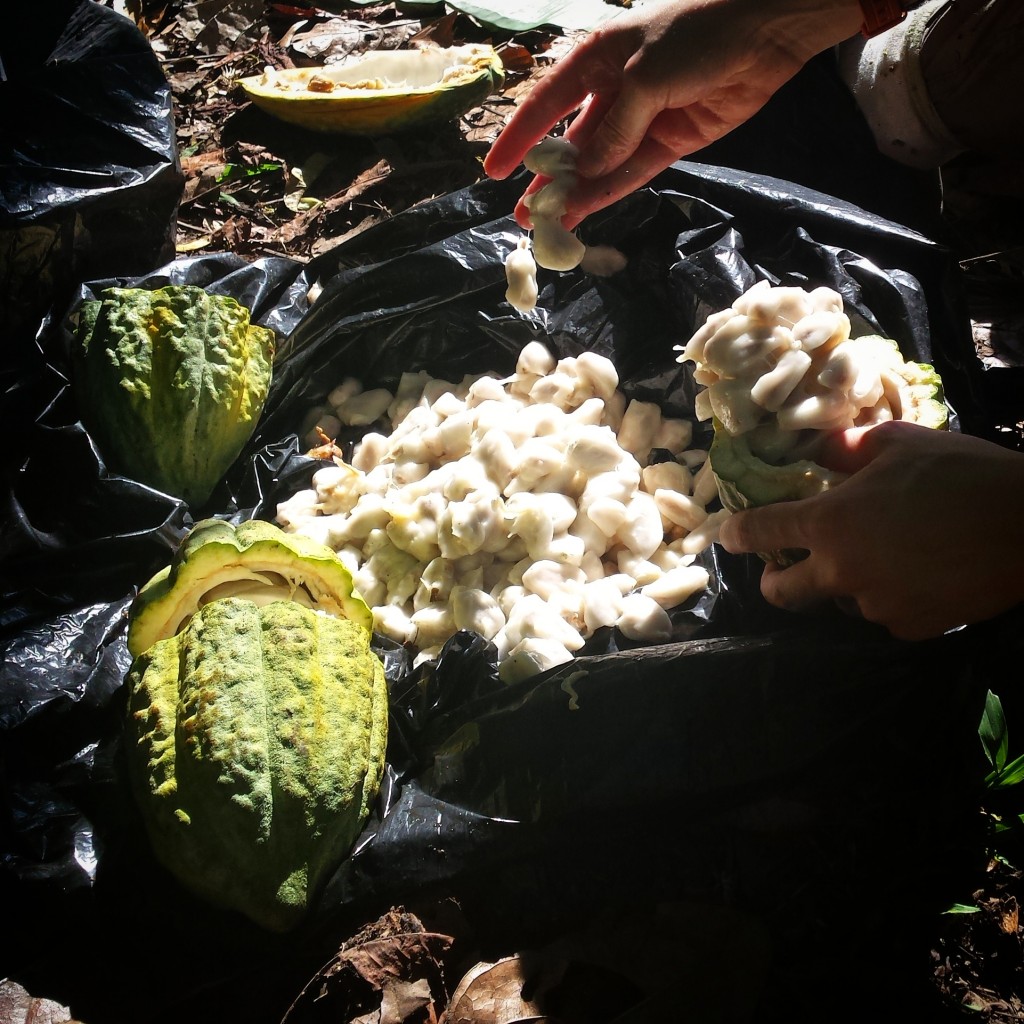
x: 846, y: 451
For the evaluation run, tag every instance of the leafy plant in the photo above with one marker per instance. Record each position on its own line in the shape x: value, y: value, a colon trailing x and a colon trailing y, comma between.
x: 995, y: 739
x: 1001, y: 802
x: 1000, y: 799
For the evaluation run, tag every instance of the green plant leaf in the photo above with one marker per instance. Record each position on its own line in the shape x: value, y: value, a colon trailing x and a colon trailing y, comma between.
x: 961, y: 908
x: 993, y: 732
x: 1010, y: 775
x: 232, y: 172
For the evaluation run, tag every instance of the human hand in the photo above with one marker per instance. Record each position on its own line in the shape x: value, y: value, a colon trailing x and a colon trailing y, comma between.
x: 924, y: 536
x: 664, y: 82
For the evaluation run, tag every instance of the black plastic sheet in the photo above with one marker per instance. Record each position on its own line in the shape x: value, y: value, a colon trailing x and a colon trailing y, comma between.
x: 759, y: 759
x: 91, y: 179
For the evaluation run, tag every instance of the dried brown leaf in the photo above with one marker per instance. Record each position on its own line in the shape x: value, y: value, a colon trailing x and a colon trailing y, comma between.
x: 492, y: 993
x: 298, y: 227
x: 325, y: 244
x: 441, y: 31
x: 363, y: 181
x: 1008, y: 916
x: 403, y: 1001
x: 677, y: 962
x: 18, y: 1006
x: 393, y: 966
x: 516, y: 58
x: 198, y: 164
x: 234, y: 234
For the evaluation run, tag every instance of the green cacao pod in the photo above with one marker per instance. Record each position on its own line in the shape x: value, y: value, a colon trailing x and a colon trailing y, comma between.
x: 256, y: 742
x: 750, y: 471
x: 171, y: 383
x: 780, y: 370
x: 256, y: 560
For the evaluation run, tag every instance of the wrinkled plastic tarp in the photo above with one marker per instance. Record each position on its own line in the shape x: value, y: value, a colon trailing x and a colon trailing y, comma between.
x: 598, y: 780
x: 91, y: 179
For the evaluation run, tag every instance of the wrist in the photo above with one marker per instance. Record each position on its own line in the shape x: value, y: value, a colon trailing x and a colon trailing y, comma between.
x: 882, y: 15
x: 807, y: 27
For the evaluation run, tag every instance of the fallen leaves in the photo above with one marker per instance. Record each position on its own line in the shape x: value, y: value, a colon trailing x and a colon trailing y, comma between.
x: 979, y: 959
x: 492, y: 993
x: 392, y: 972
x: 679, y: 961
x: 18, y: 1006
x: 255, y: 187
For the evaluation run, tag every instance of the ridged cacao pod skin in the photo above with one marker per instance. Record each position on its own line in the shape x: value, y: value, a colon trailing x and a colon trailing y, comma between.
x: 256, y: 742
x: 253, y: 556
x: 171, y: 382
x: 746, y: 481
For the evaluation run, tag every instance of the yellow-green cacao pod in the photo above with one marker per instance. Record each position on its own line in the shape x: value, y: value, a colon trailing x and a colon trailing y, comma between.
x: 780, y: 371
x: 256, y: 560
x: 171, y: 383
x: 383, y: 92
x: 750, y: 472
x: 256, y: 743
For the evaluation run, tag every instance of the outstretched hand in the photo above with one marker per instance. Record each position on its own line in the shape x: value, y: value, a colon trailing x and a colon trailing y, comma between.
x: 664, y: 82
x: 924, y: 536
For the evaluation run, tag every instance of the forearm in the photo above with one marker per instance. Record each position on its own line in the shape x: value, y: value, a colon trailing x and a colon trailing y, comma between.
x: 804, y: 27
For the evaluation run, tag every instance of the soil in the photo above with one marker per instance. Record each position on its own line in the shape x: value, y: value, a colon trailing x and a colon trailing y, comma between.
x: 257, y: 187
